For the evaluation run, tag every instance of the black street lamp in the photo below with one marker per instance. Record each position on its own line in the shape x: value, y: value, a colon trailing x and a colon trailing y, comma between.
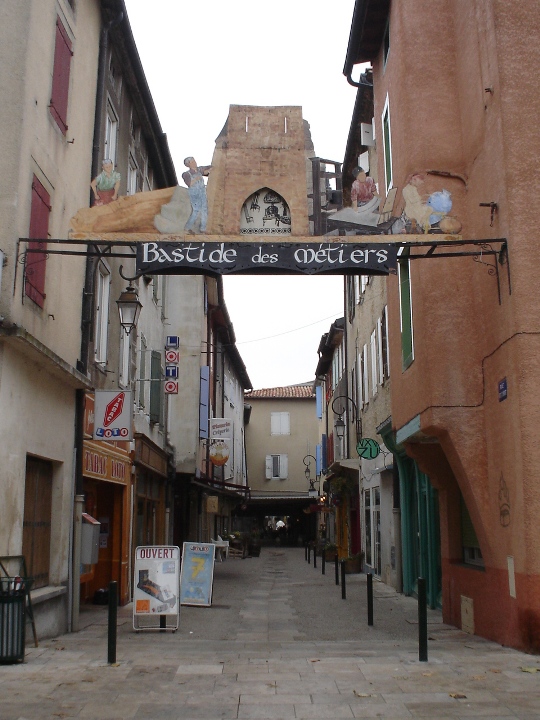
x: 312, y: 492
x: 129, y: 308
x: 339, y: 424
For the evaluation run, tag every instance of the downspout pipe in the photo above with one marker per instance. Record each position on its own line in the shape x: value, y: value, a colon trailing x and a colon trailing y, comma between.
x: 86, y: 328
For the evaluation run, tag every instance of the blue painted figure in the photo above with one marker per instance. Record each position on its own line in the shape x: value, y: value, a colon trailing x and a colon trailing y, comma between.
x: 193, y: 177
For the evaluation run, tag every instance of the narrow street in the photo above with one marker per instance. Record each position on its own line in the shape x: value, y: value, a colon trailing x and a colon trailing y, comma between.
x: 278, y: 642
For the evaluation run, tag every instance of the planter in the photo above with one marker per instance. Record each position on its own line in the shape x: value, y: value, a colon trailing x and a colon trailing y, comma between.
x: 329, y: 555
x: 352, y: 566
x: 255, y: 548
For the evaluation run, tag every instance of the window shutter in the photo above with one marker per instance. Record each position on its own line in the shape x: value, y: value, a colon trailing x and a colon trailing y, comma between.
x: 318, y: 459
x: 407, y: 351
x: 380, y: 351
x: 155, y: 387
x: 275, y: 424
x: 384, y: 343
x: 60, y: 83
x: 374, y: 363
x: 204, y: 402
x: 365, y: 375
x: 359, y: 381
x: 318, y: 400
x: 268, y: 473
x: 324, y: 443
x: 34, y: 286
x: 283, y: 467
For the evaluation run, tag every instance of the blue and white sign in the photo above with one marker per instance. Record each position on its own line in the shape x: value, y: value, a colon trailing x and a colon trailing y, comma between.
x: 171, y: 371
x: 197, y: 576
x: 173, y: 342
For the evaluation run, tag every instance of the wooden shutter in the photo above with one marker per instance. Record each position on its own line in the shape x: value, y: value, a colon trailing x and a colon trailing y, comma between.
x: 37, y: 520
x: 268, y: 467
x: 324, y: 453
x: 318, y: 459
x: 318, y: 400
x: 155, y: 387
x: 204, y: 401
x: 407, y: 353
x: 60, y: 83
x: 384, y: 342
x: 34, y: 286
x: 283, y: 467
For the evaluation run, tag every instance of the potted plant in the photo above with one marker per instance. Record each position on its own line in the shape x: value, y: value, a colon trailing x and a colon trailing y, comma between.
x: 254, y: 545
x: 353, y: 564
x: 330, y: 550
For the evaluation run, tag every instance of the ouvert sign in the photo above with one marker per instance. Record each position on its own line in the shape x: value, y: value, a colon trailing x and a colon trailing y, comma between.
x: 222, y: 258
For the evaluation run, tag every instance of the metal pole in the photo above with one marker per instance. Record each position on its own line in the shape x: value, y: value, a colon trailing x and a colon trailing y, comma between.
x: 323, y: 562
x: 422, y: 621
x: 315, y: 557
x: 343, y: 585
x: 336, y: 565
x: 370, y: 599
x: 309, y: 554
x: 305, y: 552
x: 113, y: 614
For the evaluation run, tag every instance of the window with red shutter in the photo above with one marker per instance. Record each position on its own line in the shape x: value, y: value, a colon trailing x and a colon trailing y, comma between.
x: 60, y: 83
x: 34, y: 286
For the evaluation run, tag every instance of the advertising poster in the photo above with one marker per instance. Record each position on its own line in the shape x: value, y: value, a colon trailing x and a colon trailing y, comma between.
x: 156, y: 581
x: 197, y: 575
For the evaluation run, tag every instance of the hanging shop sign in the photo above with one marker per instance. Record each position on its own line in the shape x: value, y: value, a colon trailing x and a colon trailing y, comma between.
x: 112, y: 415
x: 222, y: 258
x: 156, y: 582
x: 221, y: 433
x: 197, y: 576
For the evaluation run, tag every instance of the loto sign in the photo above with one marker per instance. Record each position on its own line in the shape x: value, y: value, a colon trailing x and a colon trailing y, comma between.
x: 112, y: 415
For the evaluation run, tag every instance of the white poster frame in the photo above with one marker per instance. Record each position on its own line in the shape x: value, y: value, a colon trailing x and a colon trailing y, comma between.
x: 156, y: 587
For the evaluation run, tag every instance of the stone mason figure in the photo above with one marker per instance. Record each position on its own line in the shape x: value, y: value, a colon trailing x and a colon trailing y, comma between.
x: 193, y: 177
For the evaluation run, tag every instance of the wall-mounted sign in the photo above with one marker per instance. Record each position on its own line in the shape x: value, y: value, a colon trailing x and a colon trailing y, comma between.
x: 170, y: 387
x: 112, y: 415
x: 221, y: 433
x: 368, y: 448
x: 176, y: 258
x: 171, y: 371
x: 172, y: 342
x: 172, y: 356
x: 503, y: 389
x: 197, y: 575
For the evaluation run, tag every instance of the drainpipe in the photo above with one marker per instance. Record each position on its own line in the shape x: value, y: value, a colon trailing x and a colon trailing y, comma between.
x: 86, y: 329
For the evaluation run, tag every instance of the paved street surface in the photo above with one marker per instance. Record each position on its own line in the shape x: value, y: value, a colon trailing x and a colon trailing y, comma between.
x: 278, y: 642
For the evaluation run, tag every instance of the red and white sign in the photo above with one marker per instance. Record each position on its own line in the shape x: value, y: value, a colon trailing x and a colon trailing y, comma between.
x: 172, y: 356
x: 171, y: 387
x: 112, y: 415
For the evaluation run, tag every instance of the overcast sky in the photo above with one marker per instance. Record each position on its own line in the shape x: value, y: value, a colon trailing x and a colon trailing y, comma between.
x: 201, y: 57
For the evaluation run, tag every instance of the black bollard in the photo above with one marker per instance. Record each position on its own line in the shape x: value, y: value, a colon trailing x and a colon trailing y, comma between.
x: 422, y: 621
x: 315, y: 557
x: 336, y: 564
x: 343, y: 586
x: 113, y: 614
x: 305, y: 551
x: 323, y: 563
x: 370, y: 599
x: 309, y: 554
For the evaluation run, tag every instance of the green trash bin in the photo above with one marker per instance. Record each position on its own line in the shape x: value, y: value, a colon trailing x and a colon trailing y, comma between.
x: 13, y: 592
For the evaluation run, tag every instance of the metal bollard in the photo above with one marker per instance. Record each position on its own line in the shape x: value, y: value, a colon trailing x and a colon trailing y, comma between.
x: 323, y: 563
x: 343, y: 585
x: 305, y: 552
x: 315, y: 557
x: 336, y: 564
x: 370, y: 599
x: 309, y: 554
x: 112, y: 629
x: 422, y: 621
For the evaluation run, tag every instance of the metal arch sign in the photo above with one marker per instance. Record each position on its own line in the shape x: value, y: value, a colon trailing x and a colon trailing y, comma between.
x: 223, y: 258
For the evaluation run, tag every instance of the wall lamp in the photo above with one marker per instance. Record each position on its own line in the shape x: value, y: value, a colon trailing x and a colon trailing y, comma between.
x: 312, y: 492
x: 129, y: 308
x: 339, y: 424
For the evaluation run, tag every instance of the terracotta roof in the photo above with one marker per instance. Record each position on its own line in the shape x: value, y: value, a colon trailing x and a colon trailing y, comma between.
x: 304, y: 390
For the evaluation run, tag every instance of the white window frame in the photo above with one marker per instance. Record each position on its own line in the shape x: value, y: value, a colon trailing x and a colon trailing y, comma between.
x: 360, y: 382
x: 132, y: 171
x: 111, y: 132
x: 142, y: 372
x: 374, y: 362
x: 280, y: 423
x: 103, y: 291
x: 385, y: 117
x: 365, y: 379
x: 277, y: 467
x: 380, y: 352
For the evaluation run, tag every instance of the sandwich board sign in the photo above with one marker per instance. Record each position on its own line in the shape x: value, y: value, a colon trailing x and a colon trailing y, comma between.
x: 197, y: 576
x: 156, y: 587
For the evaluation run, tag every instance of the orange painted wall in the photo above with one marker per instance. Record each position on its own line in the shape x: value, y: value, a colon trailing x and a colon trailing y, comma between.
x: 442, y: 58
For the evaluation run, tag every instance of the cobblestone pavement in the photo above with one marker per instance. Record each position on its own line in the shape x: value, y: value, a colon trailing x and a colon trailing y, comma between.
x: 278, y: 642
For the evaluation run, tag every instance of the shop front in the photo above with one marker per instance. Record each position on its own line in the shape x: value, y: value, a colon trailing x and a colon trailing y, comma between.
x: 151, y: 502
x: 106, y: 485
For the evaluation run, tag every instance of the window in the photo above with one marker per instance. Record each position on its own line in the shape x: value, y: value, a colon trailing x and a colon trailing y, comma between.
x: 111, y: 133
x: 365, y: 373
x: 60, y: 82
x: 384, y: 344
x: 132, y: 175
x: 280, y: 423
x: 380, y: 373
x: 387, y: 145
x: 367, y: 526
x: 34, y: 285
x: 374, y: 363
x: 36, y: 546
x: 276, y: 467
x: 405, y: 312
x: 204, y: 401
x: 123, y: 371
x: 142, y: 373
x: 102, y: 313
